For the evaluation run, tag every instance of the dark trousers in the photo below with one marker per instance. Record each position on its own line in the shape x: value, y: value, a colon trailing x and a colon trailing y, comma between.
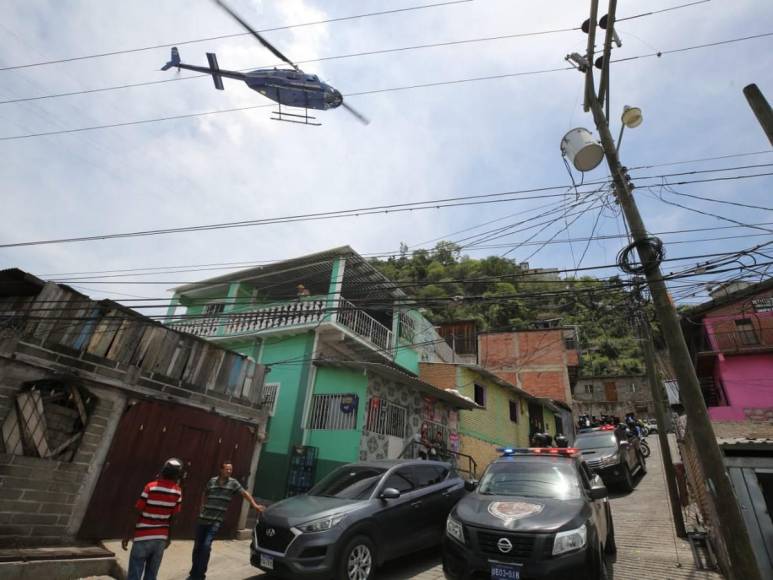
x: 202, y: 548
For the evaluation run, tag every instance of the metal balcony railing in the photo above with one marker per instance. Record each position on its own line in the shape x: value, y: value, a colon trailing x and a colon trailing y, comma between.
x: 364, y: 325
x: 744, y: 340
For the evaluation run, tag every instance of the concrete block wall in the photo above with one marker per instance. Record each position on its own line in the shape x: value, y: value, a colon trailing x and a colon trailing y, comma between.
x: 38, y: 496
x: 481, y: 451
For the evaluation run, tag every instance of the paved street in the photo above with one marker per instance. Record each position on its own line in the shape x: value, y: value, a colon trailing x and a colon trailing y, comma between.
x: 647, y: 546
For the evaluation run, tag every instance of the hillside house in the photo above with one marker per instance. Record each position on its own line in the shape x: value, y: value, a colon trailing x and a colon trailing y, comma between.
x: 343, y: 346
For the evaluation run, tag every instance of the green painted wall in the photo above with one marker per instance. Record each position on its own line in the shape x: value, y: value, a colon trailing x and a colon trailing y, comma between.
x: 337, y: 447
x: 407, y: 357
x: 493, y: 423
x: 284, y: 429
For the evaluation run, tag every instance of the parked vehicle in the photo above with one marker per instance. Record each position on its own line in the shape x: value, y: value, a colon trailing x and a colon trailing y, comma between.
x: 652, y: 426
x: 645, y: 448
x: 356, y: 518
x: 611, y: 454
x: 538, y: 514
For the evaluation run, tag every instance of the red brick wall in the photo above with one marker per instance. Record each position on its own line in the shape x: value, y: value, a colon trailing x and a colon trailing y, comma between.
x: 541, y: 347
x: 551, y: 384
x: 438, y: 374
x: 535, y: 360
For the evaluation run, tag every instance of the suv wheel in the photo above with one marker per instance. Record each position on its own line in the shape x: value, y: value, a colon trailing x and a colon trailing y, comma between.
x: 358, y: 560
x: 627, y: 482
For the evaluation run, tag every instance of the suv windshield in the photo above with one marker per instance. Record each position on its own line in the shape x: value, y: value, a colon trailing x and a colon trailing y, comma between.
x: 598, y: 440
x: 349, y: 482
x: 542, y: 479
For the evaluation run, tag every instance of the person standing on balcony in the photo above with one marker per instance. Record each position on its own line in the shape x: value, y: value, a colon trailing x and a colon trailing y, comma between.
x: 303, y: 291
x: 214, y: 504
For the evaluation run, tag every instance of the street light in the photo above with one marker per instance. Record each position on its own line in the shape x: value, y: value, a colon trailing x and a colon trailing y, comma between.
x: 632, y: 117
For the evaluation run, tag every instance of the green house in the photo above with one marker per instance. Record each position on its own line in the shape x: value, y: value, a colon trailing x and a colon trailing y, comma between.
x: 342, y: 346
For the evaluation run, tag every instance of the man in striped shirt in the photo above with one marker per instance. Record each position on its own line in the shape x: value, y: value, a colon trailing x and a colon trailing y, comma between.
x: 159, y: 502
x: 214, y: 505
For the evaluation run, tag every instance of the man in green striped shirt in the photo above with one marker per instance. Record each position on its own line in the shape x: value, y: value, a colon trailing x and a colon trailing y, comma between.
x: 214, y: 505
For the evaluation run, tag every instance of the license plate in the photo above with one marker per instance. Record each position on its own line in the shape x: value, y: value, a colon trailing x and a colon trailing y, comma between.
x: 268, y: 562
x: 505, y: 572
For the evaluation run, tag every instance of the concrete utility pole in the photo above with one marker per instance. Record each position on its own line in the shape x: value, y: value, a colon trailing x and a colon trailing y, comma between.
x: 660, y: 397
x: 731, y: 524
x: 761, y: 108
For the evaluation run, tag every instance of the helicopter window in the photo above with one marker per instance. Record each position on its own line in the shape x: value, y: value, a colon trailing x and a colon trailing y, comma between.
x: 312, y: 78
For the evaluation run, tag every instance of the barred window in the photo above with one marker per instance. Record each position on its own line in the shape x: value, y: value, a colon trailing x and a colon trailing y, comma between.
x: 270, y: 397
x: 386, y: 418
x: 333, y: 412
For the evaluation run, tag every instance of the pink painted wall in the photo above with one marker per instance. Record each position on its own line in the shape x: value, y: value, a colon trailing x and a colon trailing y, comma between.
x: 748, y: 383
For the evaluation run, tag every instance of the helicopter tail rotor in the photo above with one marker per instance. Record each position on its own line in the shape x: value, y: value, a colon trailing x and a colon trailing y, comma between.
x: 175, y: 59
x: 359, y: 116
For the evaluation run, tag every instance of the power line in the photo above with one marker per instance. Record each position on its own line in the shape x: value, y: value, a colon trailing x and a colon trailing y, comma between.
x: 501, y: 197
x: 304, y: 24
x: 234, y: 35
x: 361, y: 93
x: 300, y: 62
x: 695, y: 47
x: 663, y: 10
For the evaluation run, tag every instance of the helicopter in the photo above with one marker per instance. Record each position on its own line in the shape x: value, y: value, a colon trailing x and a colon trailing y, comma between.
x: 289, y: 87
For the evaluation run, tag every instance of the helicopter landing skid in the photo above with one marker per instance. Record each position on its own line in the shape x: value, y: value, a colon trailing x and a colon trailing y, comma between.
x: 306, y: 118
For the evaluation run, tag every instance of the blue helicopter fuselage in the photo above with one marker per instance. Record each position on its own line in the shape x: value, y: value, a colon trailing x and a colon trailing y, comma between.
x: 293, y: 88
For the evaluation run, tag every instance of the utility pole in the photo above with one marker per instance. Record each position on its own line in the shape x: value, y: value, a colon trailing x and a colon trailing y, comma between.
x: 731, y: 525
x: 761, y: 108
x: 659, y: 398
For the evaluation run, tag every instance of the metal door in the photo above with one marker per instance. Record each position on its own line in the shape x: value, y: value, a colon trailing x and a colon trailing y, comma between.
x: 150, y: 432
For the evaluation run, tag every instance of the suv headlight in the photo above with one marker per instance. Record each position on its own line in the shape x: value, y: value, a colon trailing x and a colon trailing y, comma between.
x: 570, y: 540
x: 454, y: 529
x: 321, y: 524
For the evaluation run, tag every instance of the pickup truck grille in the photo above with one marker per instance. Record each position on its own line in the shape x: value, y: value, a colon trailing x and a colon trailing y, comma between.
x: 523, y: 544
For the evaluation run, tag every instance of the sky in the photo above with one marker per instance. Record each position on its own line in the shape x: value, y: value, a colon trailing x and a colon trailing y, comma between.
x: 427, y: 143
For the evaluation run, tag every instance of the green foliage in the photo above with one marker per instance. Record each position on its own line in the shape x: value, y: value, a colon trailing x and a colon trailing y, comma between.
x: 498, y: 294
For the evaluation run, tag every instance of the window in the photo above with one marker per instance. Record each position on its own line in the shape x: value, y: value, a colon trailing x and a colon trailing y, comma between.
x: 480, y: 395
x: 270, y: 397
x: 349, y: 482
x: 333, y: 412
x: 588, y: 389
x: 513, y: 411
x: 386, y: 418
x: 426, y: 475
x: 746, y: 332
x: 401, y: 480
x: 214, y: 308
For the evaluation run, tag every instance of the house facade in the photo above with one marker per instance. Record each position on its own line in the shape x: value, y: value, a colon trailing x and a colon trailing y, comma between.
x: 340, y: 341
x: 542, y: 361
x: 730, y: 339
x: 504, y: 415
x: 94, y: 397
x: 615, y: 396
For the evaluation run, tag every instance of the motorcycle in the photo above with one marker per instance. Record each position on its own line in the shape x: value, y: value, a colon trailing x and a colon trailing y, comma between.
x: 645, y: 447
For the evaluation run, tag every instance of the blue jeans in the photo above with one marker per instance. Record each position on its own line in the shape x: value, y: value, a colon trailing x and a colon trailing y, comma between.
x: 145, y: 555
x: 202, y: 548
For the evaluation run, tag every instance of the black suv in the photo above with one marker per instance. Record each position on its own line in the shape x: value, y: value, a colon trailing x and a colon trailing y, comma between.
x: 612, y: 454
x: 356, y: 518
x: 536, y: 514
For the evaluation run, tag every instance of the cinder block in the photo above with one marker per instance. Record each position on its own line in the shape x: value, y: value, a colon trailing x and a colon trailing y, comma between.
x: 49, y: 531
x: 56, y: 508
x: 15, y: 506
x: 26, y: 483
x: 11, y: 530
x: 35, y: 519
x: 6, y: 493
x: 47, y: 496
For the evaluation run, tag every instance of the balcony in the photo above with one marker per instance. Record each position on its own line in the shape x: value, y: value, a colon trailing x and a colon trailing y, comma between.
x: 306, y: 313
x: 744, y: 341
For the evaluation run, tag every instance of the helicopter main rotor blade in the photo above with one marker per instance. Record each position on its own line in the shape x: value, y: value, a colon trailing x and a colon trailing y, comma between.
x: 360, y: 117
x: 256, y: 34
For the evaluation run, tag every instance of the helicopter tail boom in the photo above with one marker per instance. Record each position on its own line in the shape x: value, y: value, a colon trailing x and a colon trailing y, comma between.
x: 175, y: 59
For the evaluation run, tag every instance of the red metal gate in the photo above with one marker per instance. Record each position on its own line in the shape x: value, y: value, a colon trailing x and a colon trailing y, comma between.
x: 150, y: 432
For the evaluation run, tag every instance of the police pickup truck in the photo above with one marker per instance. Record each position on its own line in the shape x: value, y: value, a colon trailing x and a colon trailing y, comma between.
x: 536, y: 514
